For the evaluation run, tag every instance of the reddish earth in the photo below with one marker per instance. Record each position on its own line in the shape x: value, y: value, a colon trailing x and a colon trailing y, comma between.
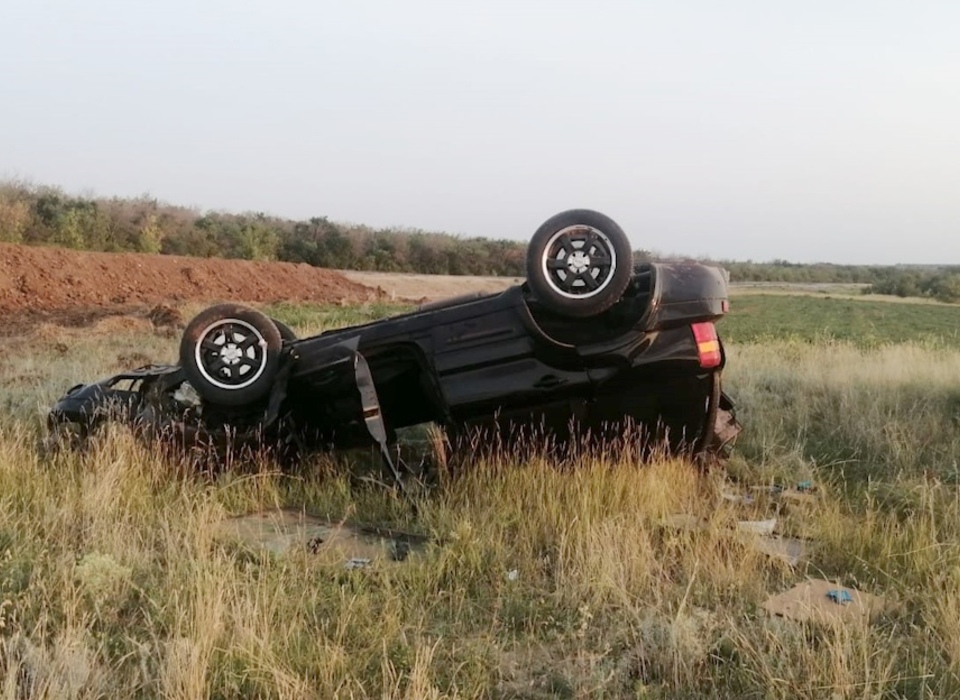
x: 77, y: 287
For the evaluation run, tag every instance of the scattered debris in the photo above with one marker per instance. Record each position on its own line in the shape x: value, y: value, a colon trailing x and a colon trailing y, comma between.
x: 840, y: 596
x: 399, y: 550
x: 357, y: 563
x: 187, y: 395
x: 789, y: 549
x: 288, y: 530
x: 797, y: 496
x: 757, y: 527
x: 802, y: 491
x: 513, y: 575
x: 744, y: 498
x: 683, y: 521
x: 824, y: 601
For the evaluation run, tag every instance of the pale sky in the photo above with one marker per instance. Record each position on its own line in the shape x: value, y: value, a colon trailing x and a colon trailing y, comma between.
x: 813, y: 131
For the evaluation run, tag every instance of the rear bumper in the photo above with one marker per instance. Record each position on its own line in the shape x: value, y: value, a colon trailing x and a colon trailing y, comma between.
x: 686, y: 293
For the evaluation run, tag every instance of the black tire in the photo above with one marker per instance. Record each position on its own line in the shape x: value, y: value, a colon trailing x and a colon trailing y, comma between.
x: 579, y: 263
x: 230, y: 354
x: 286, y: 332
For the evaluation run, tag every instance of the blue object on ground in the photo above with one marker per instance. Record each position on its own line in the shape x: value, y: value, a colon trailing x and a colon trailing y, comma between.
x: 840, y: 596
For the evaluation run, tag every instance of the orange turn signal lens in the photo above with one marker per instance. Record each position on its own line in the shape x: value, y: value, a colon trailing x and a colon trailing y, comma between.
x: 708, y: 344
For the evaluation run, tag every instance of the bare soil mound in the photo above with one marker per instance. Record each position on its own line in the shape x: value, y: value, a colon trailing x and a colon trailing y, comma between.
x: 55, y: 282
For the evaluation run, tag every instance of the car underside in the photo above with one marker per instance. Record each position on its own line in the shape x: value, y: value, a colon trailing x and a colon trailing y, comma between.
x: 590, y: 343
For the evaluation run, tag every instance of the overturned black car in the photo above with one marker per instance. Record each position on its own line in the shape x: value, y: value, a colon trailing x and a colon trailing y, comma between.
x: 589, y: 342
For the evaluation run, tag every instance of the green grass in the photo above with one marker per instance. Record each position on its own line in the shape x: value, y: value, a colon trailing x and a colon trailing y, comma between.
x: 112, y: 584
x: 866, y: 323
x: 308, y: 319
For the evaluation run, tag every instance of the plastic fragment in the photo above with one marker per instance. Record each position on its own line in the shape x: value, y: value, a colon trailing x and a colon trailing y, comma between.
x: 733, y: 497
x: 791, y: 550
x: 357, y: 563
x: 840, y: 596
x: 758, y: 527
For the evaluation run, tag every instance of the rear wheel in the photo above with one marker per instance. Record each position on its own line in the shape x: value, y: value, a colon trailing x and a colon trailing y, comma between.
x: 231, y: 354
x: 579, y: 263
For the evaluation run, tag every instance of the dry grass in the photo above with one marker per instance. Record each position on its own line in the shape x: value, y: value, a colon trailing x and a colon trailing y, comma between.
x: 112, y: 585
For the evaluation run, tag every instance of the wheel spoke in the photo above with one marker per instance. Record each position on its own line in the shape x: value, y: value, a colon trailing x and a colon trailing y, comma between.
x: 590, y: 239
x: 215, y: 365
x: 554, y: 264
x: 208, y: 344
x: 252, y: 363
x: 250, y: 341
x: 601, y: 259
x: 588, y: 280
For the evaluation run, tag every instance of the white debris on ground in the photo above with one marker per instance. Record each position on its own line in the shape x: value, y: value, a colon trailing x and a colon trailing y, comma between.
x: 761, y: 533
x: 357, y: 563
x: 757, y: 527
x: 791, y: 550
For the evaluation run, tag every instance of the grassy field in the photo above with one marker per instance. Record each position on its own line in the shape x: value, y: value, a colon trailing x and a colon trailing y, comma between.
x: 112, y: 583
x: 864, y: 321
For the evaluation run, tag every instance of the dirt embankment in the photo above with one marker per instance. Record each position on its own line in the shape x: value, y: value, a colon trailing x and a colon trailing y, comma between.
x: 51, y: 281
x: 40, y: 285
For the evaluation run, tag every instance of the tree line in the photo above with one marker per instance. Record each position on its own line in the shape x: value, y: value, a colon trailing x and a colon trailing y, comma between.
x: 42, y: 215
x: 48, y: 216
x: 942, y: 284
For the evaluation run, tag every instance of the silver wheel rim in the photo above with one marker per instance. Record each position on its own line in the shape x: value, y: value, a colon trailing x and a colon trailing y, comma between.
x: 231, y: 354
x: 578, y: 262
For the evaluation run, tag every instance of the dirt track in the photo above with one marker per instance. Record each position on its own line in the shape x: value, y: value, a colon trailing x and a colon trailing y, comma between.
x: 50, y: 281
x: 417, y: 287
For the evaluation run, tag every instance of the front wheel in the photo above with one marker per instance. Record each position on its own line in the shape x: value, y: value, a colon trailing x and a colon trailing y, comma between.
x: 579, y: 263
x: 230, y: 354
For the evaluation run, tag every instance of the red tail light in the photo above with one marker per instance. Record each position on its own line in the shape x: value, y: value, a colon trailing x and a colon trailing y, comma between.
x: 708, y: 344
